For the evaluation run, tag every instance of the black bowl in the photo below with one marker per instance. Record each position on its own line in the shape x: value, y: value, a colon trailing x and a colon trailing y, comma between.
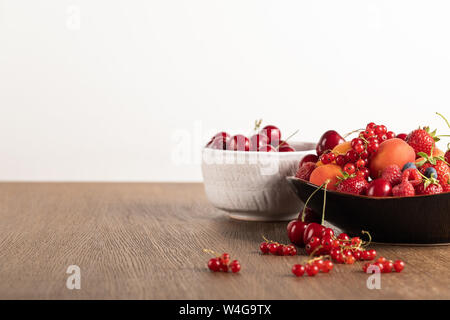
x: 401, y: 220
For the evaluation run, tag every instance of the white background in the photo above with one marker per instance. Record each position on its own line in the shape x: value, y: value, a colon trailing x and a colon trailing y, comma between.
x: 103, y: 90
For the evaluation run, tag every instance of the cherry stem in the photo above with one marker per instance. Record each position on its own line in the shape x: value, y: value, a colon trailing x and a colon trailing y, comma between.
x: 284, y: 142
x: 309, y: 198
x: 324, y: 200
x: 446, y: 121
x: 350, y: 133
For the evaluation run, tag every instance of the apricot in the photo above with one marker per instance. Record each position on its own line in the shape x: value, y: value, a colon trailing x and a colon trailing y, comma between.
x: 324, y: 172
x: 392, y: 151
x: 343, y: 148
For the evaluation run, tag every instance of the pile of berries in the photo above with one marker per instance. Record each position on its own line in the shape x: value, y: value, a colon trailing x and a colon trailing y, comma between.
x: 222, y: 263
x: 268, y: 139
x: 384, y: 266
x: 275, y: 248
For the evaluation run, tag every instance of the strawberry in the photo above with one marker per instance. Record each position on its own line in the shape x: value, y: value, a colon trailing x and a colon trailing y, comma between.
x: 445, y: 187
x: 352, y: 184
x: 429, y: 186
x: 404, y: 189
x: 304, y: 172
x: 438, y: 163
x: 412, y: 175
x: 392, y: 174
x: 421, y: 140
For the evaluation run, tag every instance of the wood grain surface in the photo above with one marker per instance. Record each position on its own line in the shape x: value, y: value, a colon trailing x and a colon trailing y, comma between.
x: 145, y: 241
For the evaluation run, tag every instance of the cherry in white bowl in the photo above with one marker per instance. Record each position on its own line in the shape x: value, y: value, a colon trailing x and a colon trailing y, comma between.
x: 251, y: 185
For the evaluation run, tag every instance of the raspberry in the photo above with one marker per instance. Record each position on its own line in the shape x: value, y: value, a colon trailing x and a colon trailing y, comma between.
x: 412, y: 175
x: 304, y: 172
x: 404, y: 189
x: 392, y: 174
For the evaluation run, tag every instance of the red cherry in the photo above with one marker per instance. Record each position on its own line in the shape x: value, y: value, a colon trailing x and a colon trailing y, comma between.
x: 273, y: 133
x: 402, y: 136
x: 312, y: 230
x: 219, y: 143
x: 239, y: 143
x: 309, y: 158
x: 311, y: 216
x: 214, y: 264
x: 327, y: 232
x: 328, y: 141
x: 257, y: 141
x: 357, y: 254
x: 298, y: 270
x: 286, y: 148
x: 379, y: 188
x: 296, y: 230
x: 267, y: 148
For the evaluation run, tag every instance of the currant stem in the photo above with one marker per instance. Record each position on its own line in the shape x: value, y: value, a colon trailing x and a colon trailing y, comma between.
x: 211, y: 252
x: 368, y: 234
x: 309, y: 198
x: 350, y: 133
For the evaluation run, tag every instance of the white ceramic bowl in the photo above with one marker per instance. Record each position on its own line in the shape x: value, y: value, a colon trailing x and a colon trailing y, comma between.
x: 251, y: 185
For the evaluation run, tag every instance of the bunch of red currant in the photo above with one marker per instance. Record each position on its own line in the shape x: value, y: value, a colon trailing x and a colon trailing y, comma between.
x: 356, y: 160
x: 222, y: 263
x: 385, y: 266
x: 275, y: 248
x: 313, y: 267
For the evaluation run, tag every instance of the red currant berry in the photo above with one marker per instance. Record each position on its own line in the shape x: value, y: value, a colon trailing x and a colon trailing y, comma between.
x: 327, y: 266
x: 359, y: 148
x: 225, y: 258
x: 214, y: 264
x: 390, y: 134
x: 343, y: 236
x: 223, y: 267
x: 298, y: 270
x: 327, y: 232
x: 351, y: 156
x: 379, y: 265
x: 311, y: 270
x: 235, y: 266
x: 381, y: 129
x: 273, y: 247
x: 360, y: 163
x: 373, y: 253
x: 293, y: 250
x: 280, y: 250
x: 366, y: 266
x: 381, y: 260
x: 373, y: 147
x: 264, y: 247
x: 382, y: 137
x: 319, y: 264
x: 365, y: 172
x: 355, y: 241
x: 366, y: 255
x: 364, y: 155
x: 350, y: 260
x: 402, y: 136
x: 341, y: 160
x: 399, y: 265
x: 357, y: 254
x: 325, y: 158
x: 327, y: 244
x: 368, y: 133
x: 356, y: 141
x: 388, y: 266
x: 371, y: 126
x: 350, y: 168
x: 286, y: 251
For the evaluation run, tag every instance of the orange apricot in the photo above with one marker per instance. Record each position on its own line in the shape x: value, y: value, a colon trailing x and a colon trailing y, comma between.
x: 343, y: 148
x: 392, y: 151
x: 324, y: 172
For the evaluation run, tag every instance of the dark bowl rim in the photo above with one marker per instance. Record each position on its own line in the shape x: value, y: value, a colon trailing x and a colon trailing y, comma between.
x: 349, y: 195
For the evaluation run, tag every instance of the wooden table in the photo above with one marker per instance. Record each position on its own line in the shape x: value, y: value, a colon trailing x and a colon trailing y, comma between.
x: 145, y: 241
